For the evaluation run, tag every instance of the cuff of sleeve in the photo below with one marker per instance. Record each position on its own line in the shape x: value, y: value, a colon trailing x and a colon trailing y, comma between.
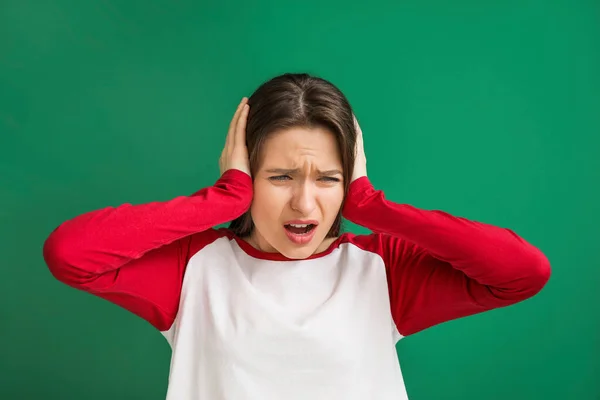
x: 231, y: 177
x: 359, y: 185
x: 355, y: 196
x: 235, y: 175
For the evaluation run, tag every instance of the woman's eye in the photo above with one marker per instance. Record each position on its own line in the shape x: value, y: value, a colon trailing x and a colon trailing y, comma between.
x: 287, y: 177
x: 330, y: 179
x: 279, y: 178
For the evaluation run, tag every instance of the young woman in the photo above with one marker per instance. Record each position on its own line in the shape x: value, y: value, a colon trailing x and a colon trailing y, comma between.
x: 281, y: 305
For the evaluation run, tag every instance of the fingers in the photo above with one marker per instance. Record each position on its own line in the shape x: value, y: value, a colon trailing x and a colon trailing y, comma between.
x: 239, y: 138
x: 359, y: 137
x: 232, y: 125
x: 236, y: 115
x: 357, y: 126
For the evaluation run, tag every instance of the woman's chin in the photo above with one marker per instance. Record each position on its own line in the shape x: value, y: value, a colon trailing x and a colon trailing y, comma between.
x: 302, y: 251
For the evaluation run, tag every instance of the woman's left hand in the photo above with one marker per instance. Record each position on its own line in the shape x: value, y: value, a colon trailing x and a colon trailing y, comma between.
x: 360, y: 163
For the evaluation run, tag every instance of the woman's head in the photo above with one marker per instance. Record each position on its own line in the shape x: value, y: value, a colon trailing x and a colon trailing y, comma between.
x: 301, y: 137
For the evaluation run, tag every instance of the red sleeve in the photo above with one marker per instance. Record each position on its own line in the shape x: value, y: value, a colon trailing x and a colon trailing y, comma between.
x: 441, y: 267
x: 135, y: 255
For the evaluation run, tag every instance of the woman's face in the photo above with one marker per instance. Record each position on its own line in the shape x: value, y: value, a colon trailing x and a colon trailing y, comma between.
x: 299, y: 182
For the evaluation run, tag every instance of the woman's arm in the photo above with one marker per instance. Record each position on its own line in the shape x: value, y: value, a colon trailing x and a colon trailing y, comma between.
x: 135, y: 255
x: 441, y: 267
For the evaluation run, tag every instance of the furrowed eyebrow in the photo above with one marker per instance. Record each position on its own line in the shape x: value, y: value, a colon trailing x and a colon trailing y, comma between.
x: 331, y: 172
x: 284, y: 171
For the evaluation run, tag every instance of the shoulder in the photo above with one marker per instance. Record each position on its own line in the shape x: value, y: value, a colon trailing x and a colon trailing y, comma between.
x: 379, y: 243
x: 198, y: 241
x: 392, y: 249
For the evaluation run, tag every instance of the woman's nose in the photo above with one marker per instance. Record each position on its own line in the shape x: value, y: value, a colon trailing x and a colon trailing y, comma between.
x: 303, y: 199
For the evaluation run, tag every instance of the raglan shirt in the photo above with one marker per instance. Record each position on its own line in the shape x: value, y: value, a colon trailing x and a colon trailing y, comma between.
x: 246, y: 324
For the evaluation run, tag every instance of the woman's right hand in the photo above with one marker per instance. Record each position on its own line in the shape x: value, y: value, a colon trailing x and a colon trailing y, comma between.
x: 235, y: 153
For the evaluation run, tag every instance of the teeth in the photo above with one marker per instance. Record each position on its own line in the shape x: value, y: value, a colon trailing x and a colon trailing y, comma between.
x: 299, y: 226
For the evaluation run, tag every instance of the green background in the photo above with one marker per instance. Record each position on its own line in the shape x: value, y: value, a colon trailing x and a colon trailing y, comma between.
x: 485, y: 109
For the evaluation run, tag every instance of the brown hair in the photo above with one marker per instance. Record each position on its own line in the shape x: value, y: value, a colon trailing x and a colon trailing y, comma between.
x: 298, y: 100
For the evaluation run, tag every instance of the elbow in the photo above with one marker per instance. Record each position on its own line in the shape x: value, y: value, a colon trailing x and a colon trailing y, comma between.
x: 535, y: 272
x: 58, y: 254
x: 525, y: 278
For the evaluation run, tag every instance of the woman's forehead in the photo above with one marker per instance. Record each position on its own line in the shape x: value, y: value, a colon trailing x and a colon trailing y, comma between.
x: 293, y: 147
x: 299, y: 139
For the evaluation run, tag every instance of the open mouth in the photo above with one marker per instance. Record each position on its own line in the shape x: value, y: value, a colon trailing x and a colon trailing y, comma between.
x: 299, y: 229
